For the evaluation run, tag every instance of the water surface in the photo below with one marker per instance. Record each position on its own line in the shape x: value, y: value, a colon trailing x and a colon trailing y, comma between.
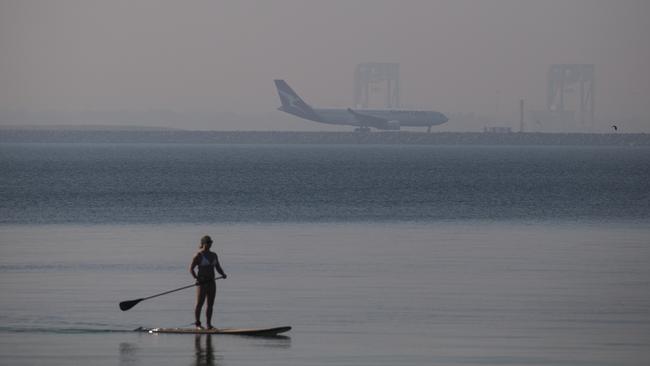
x: 375, y: 255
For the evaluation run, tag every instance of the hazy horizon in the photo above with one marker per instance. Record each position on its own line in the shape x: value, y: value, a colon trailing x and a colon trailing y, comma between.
x: 211, y: 64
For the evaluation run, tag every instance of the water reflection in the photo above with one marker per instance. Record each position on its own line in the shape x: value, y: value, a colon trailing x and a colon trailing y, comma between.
x: 160, y: 348
x: 276, y: 341
x: 204, y: 352
x: 128, y: 354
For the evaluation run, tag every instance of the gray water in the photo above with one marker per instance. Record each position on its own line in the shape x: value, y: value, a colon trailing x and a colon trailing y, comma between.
x: 158, y: 183
x: 375, y: 255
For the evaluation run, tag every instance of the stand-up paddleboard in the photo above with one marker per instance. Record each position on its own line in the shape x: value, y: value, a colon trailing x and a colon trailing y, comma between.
x: 260, y: 332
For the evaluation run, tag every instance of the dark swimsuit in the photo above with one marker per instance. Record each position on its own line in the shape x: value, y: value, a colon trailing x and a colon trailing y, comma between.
x: 206, y: 274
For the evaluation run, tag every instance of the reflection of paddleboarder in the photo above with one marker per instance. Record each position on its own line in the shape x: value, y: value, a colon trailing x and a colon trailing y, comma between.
x: 204, y: 356
x: 206, y: 262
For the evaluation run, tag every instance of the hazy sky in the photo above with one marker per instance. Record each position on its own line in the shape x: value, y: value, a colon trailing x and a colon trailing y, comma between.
x: 476, y: 56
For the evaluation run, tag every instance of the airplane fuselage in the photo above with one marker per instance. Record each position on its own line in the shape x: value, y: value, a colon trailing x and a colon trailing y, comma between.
x: 364, y: 119
x: 406, y: 118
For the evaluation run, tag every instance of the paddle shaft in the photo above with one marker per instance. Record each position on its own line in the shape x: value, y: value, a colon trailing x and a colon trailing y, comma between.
x: 178, y: 289
x: 126, y: 305
x: 168, y: 292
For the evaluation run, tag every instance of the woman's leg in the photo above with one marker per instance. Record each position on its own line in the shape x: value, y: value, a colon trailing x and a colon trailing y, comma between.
x: 211, y: 292
x: 200, y: 299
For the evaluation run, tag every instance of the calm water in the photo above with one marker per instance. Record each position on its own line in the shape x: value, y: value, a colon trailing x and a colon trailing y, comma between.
x: 53, y: 184
x: 375, y: 255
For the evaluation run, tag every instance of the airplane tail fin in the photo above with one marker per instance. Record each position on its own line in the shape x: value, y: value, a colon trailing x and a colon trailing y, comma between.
x: 292, y: 103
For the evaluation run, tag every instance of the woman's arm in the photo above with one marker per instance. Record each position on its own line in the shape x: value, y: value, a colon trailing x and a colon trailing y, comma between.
x: 217, y: 266
x: 193, y: 265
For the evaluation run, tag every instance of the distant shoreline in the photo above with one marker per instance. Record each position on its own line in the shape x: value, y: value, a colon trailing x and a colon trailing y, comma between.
x: 73, y: 127
x: 135, y: 135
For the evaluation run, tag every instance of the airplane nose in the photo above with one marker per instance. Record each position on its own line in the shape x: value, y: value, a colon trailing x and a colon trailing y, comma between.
x: 443, y: 118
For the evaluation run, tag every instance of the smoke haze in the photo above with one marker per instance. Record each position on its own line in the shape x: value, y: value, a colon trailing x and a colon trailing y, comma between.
x: 211, y: 64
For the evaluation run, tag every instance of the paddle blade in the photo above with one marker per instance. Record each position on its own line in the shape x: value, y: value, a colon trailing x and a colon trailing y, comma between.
x: 126, y: 305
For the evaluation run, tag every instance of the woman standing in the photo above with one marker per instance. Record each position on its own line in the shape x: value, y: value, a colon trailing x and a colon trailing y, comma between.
x: 206, y: 262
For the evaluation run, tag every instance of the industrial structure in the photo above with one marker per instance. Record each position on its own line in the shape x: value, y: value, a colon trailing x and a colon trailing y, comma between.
x: 562, y: 79
x: 371, y: 77
x: 569, y: 99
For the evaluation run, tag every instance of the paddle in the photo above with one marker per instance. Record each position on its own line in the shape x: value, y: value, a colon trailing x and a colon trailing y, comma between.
x: 126, y: 305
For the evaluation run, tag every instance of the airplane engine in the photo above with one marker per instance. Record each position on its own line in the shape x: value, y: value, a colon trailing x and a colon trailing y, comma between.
x: 393, y: 125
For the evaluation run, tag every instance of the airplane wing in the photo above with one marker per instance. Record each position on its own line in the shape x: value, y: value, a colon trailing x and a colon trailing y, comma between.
x: 372, y: 121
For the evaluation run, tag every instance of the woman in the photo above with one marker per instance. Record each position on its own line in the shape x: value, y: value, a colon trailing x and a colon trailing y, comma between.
x: 206, y: 262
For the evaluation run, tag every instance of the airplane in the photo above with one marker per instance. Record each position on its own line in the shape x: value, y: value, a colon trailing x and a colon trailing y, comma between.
x: 363, y: 119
